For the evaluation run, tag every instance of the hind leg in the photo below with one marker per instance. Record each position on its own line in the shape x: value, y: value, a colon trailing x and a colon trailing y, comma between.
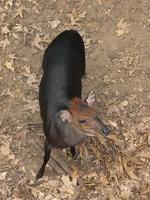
x: 73, y: 152
x: 47, y: 150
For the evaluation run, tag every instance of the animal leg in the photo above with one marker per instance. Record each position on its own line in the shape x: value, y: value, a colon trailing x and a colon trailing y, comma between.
x: 47, y: 151
x: 73, y: 152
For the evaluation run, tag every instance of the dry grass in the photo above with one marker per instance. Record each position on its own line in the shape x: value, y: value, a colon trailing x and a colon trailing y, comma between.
x: 116, y: 35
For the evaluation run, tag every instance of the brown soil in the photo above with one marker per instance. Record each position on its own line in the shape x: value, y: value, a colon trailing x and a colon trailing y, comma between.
x: 117, y: 38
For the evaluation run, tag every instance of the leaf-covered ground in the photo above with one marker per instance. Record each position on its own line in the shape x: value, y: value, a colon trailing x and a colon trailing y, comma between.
x: 117, y: 39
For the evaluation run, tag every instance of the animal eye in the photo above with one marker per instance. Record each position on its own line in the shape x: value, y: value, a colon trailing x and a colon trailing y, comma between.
x: 82, y: 121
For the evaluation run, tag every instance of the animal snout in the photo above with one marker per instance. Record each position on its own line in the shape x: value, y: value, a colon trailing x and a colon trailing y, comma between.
x: 105, y: 130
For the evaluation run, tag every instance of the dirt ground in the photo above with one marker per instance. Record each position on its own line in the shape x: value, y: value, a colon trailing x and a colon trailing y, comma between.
x: 117, y: 39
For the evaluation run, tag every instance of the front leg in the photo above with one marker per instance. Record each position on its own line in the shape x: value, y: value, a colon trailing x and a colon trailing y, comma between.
x: 47, y: 151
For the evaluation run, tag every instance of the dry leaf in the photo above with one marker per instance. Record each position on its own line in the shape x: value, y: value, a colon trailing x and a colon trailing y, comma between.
x: 113, y: 109
x: 37, y: 193
x: 54, y: 24
x: 75, y: 17
x: 36, y: 10
x: 131, y: 174
x: 120, y: 32
x: 32, y: 105
x: 49, y: 197
x: 18, y: 28
x: 129, y: 170
x: 122, y: 27
x: 108, y: 80
x: 9, y: 4
x: 120, y: 166
x: 19, y: 11
x: 51, y: 184
x: 92, y: 175
x: 4, y: 43
x: 21, y: 134
x: 9, y: 65
x: 145, y: 119
x: 148, y: 140
x: 100, y: 2
x: 32, y: 80
x: 37, y: 41
x: 87, y: 43
x: 144, y: 154
x: 15, y: 35
x: 123, y: 104
x: 82, y: 15
x: 69, y: 185
x: 113, y: 175
x: 5, y: 149
x: 115, y: 139
x: 3, y: 176
x: 5, y: 30
x: 104, y: 180
x: 5, y: 189
x: 112, y: 123
x: 0, y: 65
x: 7, y: 92
x: 27, y: 71
x: 102, y: 140
x: 143, y: 127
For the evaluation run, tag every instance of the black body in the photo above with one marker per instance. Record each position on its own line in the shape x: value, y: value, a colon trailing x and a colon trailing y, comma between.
x: 63, y: 68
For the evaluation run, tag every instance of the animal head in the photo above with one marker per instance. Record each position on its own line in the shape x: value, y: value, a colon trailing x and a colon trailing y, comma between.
x: 84, y: 118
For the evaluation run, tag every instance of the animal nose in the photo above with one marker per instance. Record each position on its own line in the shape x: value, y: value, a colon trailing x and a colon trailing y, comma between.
x: 105, y: 130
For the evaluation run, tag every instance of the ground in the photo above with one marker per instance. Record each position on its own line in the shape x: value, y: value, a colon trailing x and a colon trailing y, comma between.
x: 117, y: 39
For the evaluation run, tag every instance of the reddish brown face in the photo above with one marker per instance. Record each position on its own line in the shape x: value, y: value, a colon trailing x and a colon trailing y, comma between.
x: 86, y: 119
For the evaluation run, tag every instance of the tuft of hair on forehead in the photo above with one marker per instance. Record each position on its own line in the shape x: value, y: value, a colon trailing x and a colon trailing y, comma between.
x: 81, y: 108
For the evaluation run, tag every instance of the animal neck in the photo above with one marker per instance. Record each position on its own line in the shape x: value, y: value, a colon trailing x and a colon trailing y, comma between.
x: 67, y: 132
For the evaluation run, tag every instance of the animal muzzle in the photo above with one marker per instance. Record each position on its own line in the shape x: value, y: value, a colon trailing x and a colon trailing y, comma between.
x: 105, y: 130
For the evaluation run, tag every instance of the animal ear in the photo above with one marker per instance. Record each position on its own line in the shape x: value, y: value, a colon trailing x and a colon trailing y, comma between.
x: 90, y: 99
x: 65, y: 116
